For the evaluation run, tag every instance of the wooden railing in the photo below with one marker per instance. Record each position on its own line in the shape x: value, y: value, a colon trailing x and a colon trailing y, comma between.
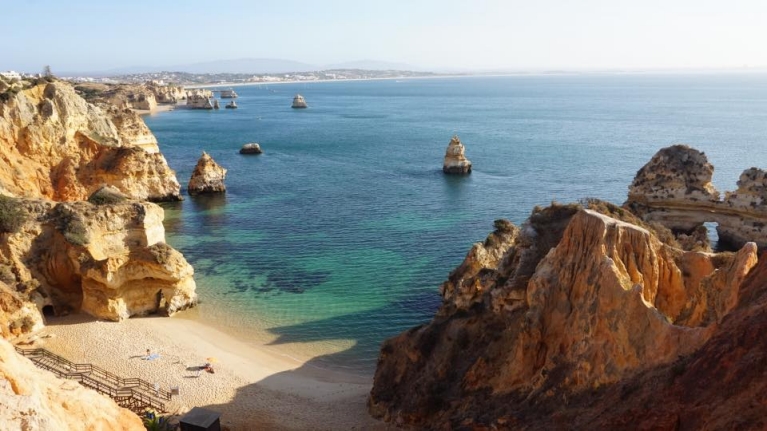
x: 133, y: 393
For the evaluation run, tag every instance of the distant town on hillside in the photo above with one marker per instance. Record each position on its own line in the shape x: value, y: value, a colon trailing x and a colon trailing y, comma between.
x: 185, y: 78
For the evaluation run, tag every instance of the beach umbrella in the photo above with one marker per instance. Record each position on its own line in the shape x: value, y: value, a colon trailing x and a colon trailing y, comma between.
x: 212, y: 359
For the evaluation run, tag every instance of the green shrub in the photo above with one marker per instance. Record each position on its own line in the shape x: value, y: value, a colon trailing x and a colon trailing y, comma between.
x: 71, y: 225
x: 12, y: 216
x: 161, y: 252
x: 106, y: 196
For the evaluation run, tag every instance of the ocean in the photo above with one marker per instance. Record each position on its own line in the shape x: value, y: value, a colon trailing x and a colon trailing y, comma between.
x: 339, y: 235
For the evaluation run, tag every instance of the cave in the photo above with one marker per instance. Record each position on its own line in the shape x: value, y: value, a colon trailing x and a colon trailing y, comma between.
x: 48, y: 311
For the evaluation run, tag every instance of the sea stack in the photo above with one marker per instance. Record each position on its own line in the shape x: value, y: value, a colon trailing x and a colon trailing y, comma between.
x: 299, y: 102
x: 252, y: 148
x: 208, y: 177
x: 455, y: 161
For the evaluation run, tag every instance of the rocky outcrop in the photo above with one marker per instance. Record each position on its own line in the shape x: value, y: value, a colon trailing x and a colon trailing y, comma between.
x: 107, y: 258
x: 576, y: 300
x: 36, y: 400
x: 58, y: 146
x: 455, y: 160
x: 166, y: 94
x: 299, y: 102
x: 251, y: 148
x: 208, y: 177
x: 199, y: 99
x: 675, y: 189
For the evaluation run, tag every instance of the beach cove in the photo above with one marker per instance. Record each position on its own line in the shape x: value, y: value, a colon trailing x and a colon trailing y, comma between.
x: 253, y: 386
x: 339, y: 235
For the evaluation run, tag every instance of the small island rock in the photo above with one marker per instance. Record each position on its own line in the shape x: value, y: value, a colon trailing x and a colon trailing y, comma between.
x: 252, y: 148
x: 455, y: 161
x: 299, y: 102
x: 208, y: 177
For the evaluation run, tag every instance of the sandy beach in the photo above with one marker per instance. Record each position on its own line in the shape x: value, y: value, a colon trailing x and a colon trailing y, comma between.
x: 159, y: 108
x: 253, y: 388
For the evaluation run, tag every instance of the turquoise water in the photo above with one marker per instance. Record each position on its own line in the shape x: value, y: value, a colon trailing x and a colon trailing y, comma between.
x: 339, y: 235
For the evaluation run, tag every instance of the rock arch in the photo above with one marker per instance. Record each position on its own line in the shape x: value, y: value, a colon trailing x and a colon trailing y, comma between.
x: 674, y: 188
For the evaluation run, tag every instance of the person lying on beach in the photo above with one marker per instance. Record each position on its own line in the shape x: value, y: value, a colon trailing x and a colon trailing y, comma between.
x: 209, y: 368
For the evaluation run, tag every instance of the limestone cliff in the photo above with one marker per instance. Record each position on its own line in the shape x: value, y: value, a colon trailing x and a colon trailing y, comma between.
x: 106, y: 258
x: 576, y: 300
x: 169, y: 94
x: 57, y: 146
x: 675, y: 189
x: 32, y: 399
x: 455, y: 160
x: 208, y: 177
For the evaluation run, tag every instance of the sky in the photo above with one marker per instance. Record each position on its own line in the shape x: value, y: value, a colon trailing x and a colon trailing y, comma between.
x: 482, y: 35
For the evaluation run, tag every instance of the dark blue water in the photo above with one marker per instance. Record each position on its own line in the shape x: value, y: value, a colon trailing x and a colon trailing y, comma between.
x: 339, y: 235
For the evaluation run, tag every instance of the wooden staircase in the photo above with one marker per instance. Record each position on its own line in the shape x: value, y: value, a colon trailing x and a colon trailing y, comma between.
x: 135, y: 394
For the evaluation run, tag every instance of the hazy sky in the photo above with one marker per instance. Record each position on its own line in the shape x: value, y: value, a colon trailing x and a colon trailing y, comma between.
x: 90, y: 35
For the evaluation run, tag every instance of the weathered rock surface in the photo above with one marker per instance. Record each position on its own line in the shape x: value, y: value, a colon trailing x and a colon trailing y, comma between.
x: 107, y: 259
x: 57, y: 146
x: 199, y: 99
x: 251, y: 148
x: 208, y: 177
x: 32, y: 399
x: 455, y: 160
x: 573, y: 302
x: 675, y: 189
x: 168, y: 94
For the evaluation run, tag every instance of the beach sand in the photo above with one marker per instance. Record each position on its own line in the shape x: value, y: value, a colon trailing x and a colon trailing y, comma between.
x: 159, y: 108
x: 252, y: 388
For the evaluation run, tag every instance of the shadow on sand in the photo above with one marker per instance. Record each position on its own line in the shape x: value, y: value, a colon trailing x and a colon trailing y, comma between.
x: 313, y: 396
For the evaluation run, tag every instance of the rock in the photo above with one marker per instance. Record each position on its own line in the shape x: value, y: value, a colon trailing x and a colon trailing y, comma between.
x: 675, y: 190
x: 34, y: 399
x: 252, y: 148
x: 299, y: 102
x: 573, y: 301
x: 107, y: 259
x: 455, y: 161
x: 199, y: 99
x: 208, y: 177
x: 18, y: 315
x: 167, y: 94
x: 55, y: 145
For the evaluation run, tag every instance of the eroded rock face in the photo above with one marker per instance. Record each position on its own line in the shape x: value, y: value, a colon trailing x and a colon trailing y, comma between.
x: 675, y: 174
x: 208, y: 177
x: 455, y: 160
x: 58, y: 146
x: 36, y: 400
x: 107, y: 259
x: 573, y: 301
x: 675, y: 189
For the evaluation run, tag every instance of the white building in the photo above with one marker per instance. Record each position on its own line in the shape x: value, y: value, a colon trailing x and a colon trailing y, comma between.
x: 10, y: 75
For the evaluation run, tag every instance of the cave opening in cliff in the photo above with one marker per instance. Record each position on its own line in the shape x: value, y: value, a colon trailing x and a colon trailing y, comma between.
x: 48, y: 311
x: 713, y: 237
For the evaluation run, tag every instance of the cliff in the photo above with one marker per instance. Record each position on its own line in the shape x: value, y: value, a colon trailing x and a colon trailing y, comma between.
x: 57, y: 146
x: 106, y: 258
x: 674, y: 188
x: 208, y: 177
x: 35, y: 400
x: 455, y: 160
x: 557, y: 324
